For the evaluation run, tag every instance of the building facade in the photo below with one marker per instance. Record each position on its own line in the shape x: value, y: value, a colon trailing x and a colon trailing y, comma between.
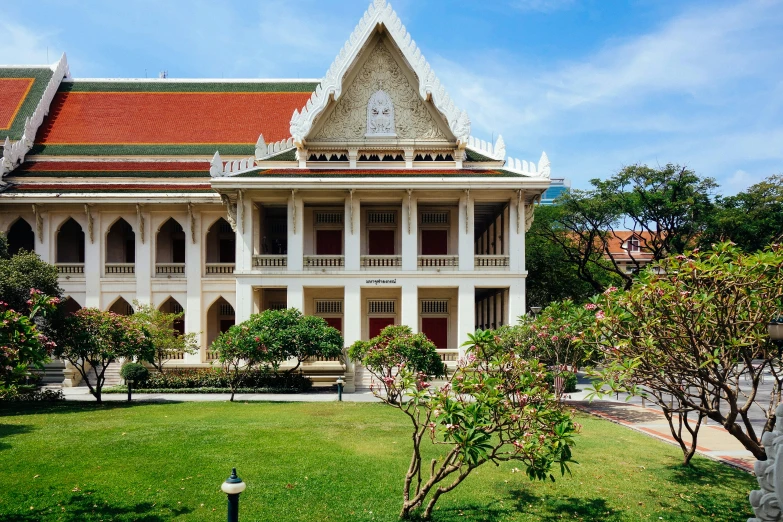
x: 360, y: 197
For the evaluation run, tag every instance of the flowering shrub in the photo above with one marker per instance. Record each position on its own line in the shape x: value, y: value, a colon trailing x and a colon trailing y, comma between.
x: 496, y: 407
x: 164, y: 339
x: 22, y: 345
x: 93, y: 339
x: 394, y: 350
x: 191, y: 378
x: 691, y: 334
x: 268, y: 339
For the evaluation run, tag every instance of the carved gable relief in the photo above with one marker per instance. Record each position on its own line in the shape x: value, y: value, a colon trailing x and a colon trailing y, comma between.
x: 380, y: 115
x: 380, y: 72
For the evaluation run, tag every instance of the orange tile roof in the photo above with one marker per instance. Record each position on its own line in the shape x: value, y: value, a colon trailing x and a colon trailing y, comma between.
x: 115, y: 166
x: 13, y: 92
x: 152, y: 118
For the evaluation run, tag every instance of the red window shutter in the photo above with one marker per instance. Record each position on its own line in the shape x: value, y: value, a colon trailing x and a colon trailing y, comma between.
x: 335, y: 322
x: 379, y: 323
x: 329, y: 242
x: 437, y: 330
x: 434, y: 242
x: 381, y: 242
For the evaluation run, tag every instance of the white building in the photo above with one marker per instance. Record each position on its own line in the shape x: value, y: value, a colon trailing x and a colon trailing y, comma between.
x: 360, y: 197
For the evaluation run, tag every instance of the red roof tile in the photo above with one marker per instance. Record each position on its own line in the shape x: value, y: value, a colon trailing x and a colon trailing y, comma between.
x: 116, y: 166
x: 137, y: 118
x: 13, y: 92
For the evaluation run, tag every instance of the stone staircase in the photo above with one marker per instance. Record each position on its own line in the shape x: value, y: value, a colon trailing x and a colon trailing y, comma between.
x: 52, y: 374
x: 112, y: 375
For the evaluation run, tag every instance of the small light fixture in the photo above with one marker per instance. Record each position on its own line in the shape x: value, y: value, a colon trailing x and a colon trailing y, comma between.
x: 232, y: 487
x: 536, y: 310
x: 340, y: 383
x: 775, y: 330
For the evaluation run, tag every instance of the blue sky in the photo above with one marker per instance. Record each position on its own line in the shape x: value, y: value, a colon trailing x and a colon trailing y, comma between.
x: 598, y: 84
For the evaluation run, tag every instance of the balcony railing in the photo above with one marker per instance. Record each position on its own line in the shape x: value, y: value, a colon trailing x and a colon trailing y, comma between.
x: 120, y: 269
x: 212, y: 355
x: 324, y: 262
x: 70, y: 268
x: 438, y: 262
x: 449, y: 356
x: 491, y: 262
x: 170, y: 269
x: 219, y: 268
x: 175, y: 356
x: 276, y: 262
x: 381, y: 261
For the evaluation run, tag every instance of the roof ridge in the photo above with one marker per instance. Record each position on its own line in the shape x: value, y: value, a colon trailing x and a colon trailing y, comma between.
x: 195, y: 80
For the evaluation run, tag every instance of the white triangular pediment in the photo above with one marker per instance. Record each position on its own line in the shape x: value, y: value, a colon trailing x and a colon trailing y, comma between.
x: 380, y: 102
x: 334, y: 87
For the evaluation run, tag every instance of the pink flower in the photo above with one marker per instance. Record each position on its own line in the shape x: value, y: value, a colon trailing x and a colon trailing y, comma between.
x: 600, y: 315
x: 610, y: 290
x: 590, y: 306
x: 555, y: 338
x: 532, y: 347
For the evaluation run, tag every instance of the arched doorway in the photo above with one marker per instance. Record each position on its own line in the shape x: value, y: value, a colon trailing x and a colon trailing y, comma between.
x: 220, y: 317
x: 70, y: 306
x: 120, y: 249
x: 170, y: 249
x: 20, y: 237
x: 70, y: 243
x: 172, y: 306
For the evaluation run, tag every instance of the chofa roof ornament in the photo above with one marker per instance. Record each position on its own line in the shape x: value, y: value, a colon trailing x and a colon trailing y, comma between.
x: 379, y: 12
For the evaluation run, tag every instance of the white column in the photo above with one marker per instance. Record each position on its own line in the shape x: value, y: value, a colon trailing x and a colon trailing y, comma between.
x: 516, y: 237
x: 516, y: 299
x: 352, y: 233
x: 352, y: 323
x: 244, y: 300
x: 466, y: 260
x: 295, y: 233
x: 43, y: 247
x: 194, y: 268
x: 295, y: 296
x: 92, y: 262
x: 410, y: 305
x: 466, y: 313
x: 145, y: 260
x: 410, y: 234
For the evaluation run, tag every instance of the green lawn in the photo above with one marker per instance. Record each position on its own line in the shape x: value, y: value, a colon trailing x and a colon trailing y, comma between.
x: 319, y: 462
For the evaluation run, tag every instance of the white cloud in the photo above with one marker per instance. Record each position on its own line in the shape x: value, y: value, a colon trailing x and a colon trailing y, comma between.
x: 22, y: 46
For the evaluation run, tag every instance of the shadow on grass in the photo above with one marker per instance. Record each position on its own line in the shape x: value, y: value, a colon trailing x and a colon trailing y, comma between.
x: 7, y: 430
x: 552, y: 509
x: 85, y: 506
x: 704, y: 472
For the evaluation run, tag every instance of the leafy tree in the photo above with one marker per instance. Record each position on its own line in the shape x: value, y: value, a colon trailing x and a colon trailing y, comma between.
x: 496, y: 407
x: 92, y: 339
x: 22, y: 344
x: 693, y: 336
x: 4, y: 253
x: 668, y: 208
x: 394, y: 351
x: 552, y: 275
x: 164, y: 340
x: 272, y: 337
x: 20, y: 273
x: 752, y: 219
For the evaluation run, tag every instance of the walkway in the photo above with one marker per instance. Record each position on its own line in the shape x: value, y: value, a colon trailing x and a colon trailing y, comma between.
x: 714, y: 441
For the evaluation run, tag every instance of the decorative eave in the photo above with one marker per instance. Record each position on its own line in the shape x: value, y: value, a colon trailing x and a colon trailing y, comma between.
x: 430, y: 88
x: 498, y: 153
x: 14, y: 153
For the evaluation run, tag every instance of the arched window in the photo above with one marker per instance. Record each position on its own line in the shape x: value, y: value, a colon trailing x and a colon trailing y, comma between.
x: 220, y: 317
x: 70, y: 243
x: 172, y: 306
x: 121, y: 307
x: 221, y: 243
x: 20, y: 237
x: 70, y: 306
x: 171, y: 243
x: 121, y: 243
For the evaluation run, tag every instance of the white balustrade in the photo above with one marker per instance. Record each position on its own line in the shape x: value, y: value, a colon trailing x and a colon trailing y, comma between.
x: 120, y: 269
x: 269, y: 261
x: 438, y: 262
x: 381, y: 261
x: 70, y: 268
x: 170, y: 269
x: 491, y: 262
x: 219, y: 268
x: 311, y: 262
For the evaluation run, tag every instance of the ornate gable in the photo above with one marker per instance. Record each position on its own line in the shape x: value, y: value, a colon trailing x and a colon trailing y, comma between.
x: 378, y: 79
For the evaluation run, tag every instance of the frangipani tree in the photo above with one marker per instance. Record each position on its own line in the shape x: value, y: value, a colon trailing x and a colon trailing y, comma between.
x: 496, y: 407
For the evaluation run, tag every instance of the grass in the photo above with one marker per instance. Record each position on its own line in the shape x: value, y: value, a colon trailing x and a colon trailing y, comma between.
x: 319, y: 461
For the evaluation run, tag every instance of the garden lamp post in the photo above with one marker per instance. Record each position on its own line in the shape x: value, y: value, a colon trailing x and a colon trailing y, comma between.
x: 129, y: 382
x: 775, y: 330
x: 536, y: 310
x: 232, y: 487
x: 340, y: 383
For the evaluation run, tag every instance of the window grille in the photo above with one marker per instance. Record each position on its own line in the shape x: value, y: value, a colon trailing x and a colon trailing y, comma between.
x: 382, y: 306
x: 434, y: 306
x: 278, y: 226
x: 381, y: 218
x: 277, y: 305
x: 176, y: 308
x: 225, y: 228
x: 329, y: 218
x: 440, y: 217
x: 328, y: 306
x: 128, y: 309
x: 227, y: 309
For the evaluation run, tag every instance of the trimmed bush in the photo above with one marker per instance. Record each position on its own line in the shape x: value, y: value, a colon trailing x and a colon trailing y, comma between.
x: 192, y: 378
x: 136, y: 372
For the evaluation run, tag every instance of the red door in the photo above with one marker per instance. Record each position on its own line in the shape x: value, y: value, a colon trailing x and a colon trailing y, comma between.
x: 434, y: 242
x: 437, y: 330
x: 329, y: 242
x: 379, y: 323
x: 381, y: 242
x: 335, y: 322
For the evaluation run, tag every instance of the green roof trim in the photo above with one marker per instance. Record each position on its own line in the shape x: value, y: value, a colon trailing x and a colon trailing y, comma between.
x: 144, y: 150
x: 342, y: 174
x: 41, y: 76
x: 288, y: 155
x: 173, y: 86
x: 472, y: 155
